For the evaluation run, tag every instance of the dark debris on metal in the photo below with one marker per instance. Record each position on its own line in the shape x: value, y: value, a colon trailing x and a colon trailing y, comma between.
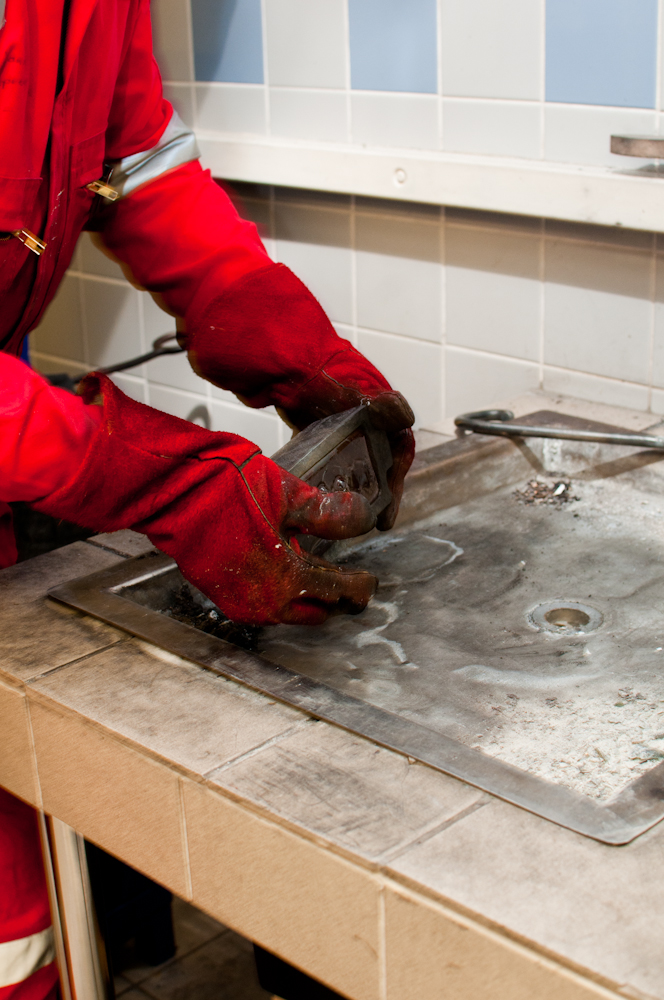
x: 553, y: 492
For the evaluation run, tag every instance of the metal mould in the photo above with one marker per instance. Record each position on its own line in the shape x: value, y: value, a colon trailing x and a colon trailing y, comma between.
x: 344, y: 451
x: 464, y: 661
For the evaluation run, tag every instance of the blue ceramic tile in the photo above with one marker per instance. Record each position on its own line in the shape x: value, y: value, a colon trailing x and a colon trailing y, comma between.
x: 228, y: 40
x: 601, y: 52
x: 393, y: 45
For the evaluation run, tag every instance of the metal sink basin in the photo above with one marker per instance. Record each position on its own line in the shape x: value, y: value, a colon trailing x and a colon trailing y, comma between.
x: 516, y: 640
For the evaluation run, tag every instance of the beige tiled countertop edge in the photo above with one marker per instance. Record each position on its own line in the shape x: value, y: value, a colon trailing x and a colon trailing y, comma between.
x: 260, y: 873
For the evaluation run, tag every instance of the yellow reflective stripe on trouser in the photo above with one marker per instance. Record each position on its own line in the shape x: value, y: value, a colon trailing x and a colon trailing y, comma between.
x: 20, y: 958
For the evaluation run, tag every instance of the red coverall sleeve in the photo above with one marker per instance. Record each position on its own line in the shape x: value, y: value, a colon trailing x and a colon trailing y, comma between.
x: 44, y: 433
x: 177, y: 229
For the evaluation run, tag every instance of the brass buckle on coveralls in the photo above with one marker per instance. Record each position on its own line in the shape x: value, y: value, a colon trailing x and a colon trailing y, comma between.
x: 103, y: 189
x: 29, y: 240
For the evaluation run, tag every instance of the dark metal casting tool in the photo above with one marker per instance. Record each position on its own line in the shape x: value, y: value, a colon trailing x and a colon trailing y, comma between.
x: 344, y: 451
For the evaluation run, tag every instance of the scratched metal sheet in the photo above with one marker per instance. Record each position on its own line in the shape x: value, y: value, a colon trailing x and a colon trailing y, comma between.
x: 449, y: 642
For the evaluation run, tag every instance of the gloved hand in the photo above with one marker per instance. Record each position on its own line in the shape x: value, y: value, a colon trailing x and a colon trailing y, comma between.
x: 223, y: 511
x: 267, y: 339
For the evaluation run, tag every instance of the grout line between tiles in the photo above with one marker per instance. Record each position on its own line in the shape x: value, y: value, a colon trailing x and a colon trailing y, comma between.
x: 266, y: 69
x: 542, y: 97
x: 84, y: 323
x: 189, y: 21
x: 185, y: 840
x: 353, y: 270
x: 653, y: 292
x: 659, y: 66
x: 389, y: 856
x: 257, y: 749
x: 35, y: 768
x: 106, y: 548
x: 101, y: 278
x: 542, y: 299
x: 382, y: 946
x: 70, y: 663
x: 406, y: 339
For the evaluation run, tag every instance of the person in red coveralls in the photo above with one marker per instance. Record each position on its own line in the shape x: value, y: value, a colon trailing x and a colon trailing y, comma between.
x: 87, y: 140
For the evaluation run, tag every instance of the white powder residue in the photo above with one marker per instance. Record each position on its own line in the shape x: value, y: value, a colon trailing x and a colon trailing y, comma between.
x: 593, y: 747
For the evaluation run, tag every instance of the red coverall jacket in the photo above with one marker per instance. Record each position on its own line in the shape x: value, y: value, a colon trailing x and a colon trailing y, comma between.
x: 172, y: 233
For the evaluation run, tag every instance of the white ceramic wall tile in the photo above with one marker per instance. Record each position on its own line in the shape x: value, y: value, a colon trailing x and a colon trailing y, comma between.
x: 260, y: 426
x: 575, y: 134
x: 174, y: 370
x: 93, y: 261
x: 171, y: 30
x: 75, y: 264
x: 171, y: 369
x: 657, y: 401
x: 491, y: 49
x: 596, y: 389
x: 223, y: 394
x: 412, y: 367
x: 227, y: 107
x: 597, y: 313
x: 309, y: 217
x: 60, y: 332
x: 346, y: 332
x: 181, y: 96
x: 112, y: 326
x: 492, y: 291
x: 48, y: 364
x: 188, y: 406
x: 309, y: 114
x: 131, y: 386
x: 399, y: 295
x: 306, y: 43
x: 476, y: 381
x: 402, y: 120
x: 498, y: 128
x: 156, y: 321
x: 326, y: 271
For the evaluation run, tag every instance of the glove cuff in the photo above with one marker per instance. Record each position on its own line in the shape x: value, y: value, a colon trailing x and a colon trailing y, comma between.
x: 266, y: 337
x: 130, y: 470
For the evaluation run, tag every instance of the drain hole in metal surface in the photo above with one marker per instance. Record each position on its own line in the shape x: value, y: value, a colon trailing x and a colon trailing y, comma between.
x: 567, y: 617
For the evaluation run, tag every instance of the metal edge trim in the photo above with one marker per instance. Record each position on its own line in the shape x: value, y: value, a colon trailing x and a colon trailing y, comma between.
x: 616, y: 824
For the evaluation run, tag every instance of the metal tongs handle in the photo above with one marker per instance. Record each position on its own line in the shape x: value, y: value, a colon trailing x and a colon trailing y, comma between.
x: 493, y: 422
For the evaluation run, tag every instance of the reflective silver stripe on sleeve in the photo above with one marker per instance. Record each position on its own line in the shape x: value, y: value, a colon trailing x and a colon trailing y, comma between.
x: 177, y: 146
x: 21, y: 958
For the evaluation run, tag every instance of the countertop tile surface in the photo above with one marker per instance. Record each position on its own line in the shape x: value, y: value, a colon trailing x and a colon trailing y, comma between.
x: 37, y: 634
x: 112, y: 794
x: 280, y: 890
x: 598, y: 906
x: 17, y: 771
x: 430, y: 953
x: 125, y: 542
x: 346, y: 789
x: 170, y: 706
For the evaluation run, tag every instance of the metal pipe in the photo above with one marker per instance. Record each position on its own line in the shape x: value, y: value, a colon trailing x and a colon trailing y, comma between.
x: 157, y: 351
x: 493, y: 422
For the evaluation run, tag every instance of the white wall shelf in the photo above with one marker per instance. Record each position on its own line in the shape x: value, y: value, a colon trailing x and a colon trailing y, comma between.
x: 599, y: 195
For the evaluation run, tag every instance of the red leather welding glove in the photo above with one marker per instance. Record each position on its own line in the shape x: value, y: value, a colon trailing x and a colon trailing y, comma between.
x: 267, y: 339
x: 223, y: 511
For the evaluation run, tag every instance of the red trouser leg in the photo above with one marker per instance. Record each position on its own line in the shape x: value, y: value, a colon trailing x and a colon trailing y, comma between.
x: 27, y: 966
